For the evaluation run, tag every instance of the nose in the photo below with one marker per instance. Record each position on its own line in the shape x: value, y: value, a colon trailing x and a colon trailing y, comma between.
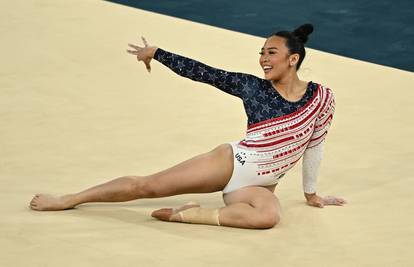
x: 263, y: 62
x: 264, y: 58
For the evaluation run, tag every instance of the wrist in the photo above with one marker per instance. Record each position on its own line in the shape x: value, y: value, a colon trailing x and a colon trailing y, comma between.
x: 151, y: 51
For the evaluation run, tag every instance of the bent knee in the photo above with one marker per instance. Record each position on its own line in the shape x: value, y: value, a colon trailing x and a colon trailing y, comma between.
x: 268, y: 219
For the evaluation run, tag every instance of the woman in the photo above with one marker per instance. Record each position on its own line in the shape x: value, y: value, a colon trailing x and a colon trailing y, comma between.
x: 287, y: 118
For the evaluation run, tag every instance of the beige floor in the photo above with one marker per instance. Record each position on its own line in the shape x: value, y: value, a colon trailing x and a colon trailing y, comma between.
x: 77, y: 110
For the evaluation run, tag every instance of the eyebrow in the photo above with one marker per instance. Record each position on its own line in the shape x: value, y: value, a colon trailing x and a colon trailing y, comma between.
x: 270, y: 48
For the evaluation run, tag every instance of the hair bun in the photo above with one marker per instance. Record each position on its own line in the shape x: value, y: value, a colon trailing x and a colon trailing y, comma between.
x: 303, y: 31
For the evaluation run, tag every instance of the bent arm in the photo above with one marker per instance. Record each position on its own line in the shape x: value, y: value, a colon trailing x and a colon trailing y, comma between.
x: 310, y: 167
x: 233, y: 83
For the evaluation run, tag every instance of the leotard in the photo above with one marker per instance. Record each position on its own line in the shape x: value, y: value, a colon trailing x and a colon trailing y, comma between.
x: 278, y: 131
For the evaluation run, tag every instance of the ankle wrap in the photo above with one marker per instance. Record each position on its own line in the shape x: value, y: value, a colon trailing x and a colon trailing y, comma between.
x: 200, y: 215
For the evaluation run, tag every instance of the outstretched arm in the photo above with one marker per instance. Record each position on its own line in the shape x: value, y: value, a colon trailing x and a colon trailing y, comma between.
x: 233, y: 83
x: 311, y: 162
x: 230, y: 82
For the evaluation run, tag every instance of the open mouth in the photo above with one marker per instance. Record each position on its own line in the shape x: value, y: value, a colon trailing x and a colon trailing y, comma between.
x: 267, y: 69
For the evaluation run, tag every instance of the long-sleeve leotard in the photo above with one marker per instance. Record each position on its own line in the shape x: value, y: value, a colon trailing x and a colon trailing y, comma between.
x: 278, y: 131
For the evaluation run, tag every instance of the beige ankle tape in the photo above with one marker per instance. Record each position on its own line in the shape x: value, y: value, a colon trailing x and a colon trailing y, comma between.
x: 200, y: 215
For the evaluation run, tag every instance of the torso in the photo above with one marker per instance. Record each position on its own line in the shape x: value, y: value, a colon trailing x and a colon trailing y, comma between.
x: 265, y: 102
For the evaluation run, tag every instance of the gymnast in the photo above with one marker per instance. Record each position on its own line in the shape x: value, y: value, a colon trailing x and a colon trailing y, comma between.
x: 288, y: 119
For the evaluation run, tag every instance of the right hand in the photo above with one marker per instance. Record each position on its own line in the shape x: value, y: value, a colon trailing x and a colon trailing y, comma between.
x: 145, y: 53
x: 320, y: 202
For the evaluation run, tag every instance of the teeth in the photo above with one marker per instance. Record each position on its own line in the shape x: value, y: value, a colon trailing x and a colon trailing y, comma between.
x: 267, y: 67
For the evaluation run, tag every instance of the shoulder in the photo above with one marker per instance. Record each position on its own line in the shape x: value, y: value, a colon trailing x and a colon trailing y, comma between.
x: 324, y: 93
x: 326, y: 98
x: 323, y: 89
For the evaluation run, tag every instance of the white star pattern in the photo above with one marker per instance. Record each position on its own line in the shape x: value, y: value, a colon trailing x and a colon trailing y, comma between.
x: 252, y: 90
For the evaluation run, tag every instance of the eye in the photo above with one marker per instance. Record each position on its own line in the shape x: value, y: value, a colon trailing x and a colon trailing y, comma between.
x: 261, y: 53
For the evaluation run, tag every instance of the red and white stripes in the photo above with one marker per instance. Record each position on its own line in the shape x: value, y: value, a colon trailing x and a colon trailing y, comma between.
x: 277, y: 144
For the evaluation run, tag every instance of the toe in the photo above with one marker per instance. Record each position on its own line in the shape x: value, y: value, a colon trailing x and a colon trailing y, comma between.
x: 162, y: 214
x: 161, y: 211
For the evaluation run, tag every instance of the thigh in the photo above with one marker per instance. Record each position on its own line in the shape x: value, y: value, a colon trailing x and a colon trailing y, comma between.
x: 205, y: 173
x: 257, y: 196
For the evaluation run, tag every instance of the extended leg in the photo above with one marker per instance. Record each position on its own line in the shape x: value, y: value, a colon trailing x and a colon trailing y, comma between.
x: 117, y: 190
x: 208, y: 172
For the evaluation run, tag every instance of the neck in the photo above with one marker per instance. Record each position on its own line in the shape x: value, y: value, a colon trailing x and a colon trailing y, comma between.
x: 289, y: 84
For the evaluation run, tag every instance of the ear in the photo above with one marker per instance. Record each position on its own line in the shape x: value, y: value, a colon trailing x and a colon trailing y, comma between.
x: 293, y: 59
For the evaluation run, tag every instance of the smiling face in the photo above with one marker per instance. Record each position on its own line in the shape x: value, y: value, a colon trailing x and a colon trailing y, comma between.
x: 275, y: 59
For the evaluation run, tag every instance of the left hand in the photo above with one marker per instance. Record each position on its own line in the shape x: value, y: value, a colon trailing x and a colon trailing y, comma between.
x: 320, y: 202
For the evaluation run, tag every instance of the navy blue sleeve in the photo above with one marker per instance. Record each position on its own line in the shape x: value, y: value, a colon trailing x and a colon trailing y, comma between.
x: 233, y: 83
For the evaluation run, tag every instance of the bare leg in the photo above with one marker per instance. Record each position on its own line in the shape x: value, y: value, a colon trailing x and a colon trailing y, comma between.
x: 118, y: 190
x: 208, y: 172
x: 243, y: 215
x: 236, y: 215
x: 250, y: 207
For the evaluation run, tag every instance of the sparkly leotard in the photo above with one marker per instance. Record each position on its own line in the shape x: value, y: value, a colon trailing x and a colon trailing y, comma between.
x: 278, y: 131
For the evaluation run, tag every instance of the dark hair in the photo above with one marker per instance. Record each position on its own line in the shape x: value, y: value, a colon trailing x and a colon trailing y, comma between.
x: 295, y: 40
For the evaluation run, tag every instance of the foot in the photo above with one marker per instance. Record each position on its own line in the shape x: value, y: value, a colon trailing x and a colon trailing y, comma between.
x: 170, y: 214
x: 42, y: 202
